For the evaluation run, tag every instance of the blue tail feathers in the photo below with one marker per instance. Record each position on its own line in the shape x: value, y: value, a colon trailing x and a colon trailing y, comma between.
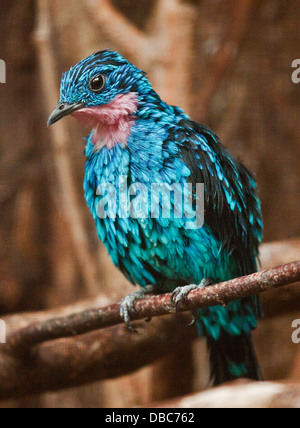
x: 233, y: 357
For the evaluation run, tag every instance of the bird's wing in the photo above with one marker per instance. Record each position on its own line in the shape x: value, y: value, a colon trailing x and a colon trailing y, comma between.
x: 232, y: 208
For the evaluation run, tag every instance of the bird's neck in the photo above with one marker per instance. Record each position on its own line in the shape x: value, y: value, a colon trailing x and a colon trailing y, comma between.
x: 111, y: 122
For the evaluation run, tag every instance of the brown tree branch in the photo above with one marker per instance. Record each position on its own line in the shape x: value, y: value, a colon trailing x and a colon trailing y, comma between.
x: 111, y: 352
x: 163, y: 51
x: 228, y: 51
x: 119, y: 29
x: 72, y: 208
x: 240, y: 394
x: 170, y: 53
x: 23, y: 340
x: 272, y: 254
x: 97, y: 356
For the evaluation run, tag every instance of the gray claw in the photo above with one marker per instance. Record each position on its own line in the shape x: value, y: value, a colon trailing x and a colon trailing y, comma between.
x: 192, y: 323
x: 195, y: 318
x: 127, y: 305
x: 181, y: 293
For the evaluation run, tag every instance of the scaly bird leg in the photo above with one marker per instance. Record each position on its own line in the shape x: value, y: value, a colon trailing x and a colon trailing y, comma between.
x: 127, y: 304
x: 181, y: 293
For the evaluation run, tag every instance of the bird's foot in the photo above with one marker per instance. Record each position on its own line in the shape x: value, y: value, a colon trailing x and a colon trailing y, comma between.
x: 127, y: 305
x: 181, y: 293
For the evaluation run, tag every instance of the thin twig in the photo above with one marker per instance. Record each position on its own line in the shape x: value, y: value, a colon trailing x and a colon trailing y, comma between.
x: 70, y: 204
x: 163, y: 51
x: 228, y: 52
x: 117, y: 27
x: 94, y: 319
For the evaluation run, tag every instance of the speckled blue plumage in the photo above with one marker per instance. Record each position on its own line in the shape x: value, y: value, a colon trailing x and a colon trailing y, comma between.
x: 166, y: 146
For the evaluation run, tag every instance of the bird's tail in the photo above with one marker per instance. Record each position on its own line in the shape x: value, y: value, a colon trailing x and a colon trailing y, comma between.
x: 233, y: 357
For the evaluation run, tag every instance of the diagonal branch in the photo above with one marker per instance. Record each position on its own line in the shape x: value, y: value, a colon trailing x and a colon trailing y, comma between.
x: 69, y: 201
x: 117, y: 28
x: 97, y: 356
x: 171, y: 52
x: 229, y: 50
x: 22, y: 341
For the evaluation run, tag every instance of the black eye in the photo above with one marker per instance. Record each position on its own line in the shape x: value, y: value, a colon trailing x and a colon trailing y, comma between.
x: 97, y: 83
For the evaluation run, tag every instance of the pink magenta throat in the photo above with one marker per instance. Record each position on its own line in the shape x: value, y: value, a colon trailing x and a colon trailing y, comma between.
x: 112, y: 122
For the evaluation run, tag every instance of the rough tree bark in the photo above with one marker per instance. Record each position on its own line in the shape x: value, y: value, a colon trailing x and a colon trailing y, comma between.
x: 220, y: 294
x: 110, y: 352
x: 240, y: 85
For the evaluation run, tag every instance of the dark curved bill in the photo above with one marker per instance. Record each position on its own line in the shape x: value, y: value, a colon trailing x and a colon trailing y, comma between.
x: 62, y: 110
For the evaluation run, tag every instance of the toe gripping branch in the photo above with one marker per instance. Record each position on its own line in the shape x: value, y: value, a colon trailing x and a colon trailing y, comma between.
x: 181, y: 293
x: 127, y: 304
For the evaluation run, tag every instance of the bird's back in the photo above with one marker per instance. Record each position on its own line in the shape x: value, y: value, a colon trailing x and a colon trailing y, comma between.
x: 162, y: 250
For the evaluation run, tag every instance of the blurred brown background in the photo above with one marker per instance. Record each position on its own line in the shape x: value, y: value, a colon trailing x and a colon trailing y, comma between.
x: 227, y: 62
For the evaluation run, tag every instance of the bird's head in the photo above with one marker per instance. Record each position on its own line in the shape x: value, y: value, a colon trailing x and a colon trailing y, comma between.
x: 103, y: 92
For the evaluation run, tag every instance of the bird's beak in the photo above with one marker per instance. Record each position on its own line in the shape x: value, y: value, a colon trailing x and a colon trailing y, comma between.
x: 62, y: 110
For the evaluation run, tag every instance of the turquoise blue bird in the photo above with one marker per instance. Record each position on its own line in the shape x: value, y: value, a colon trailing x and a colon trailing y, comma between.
x: 139, y: 142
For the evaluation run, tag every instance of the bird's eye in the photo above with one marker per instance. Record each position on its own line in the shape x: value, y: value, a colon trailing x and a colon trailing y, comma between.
x: 97, y: 84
